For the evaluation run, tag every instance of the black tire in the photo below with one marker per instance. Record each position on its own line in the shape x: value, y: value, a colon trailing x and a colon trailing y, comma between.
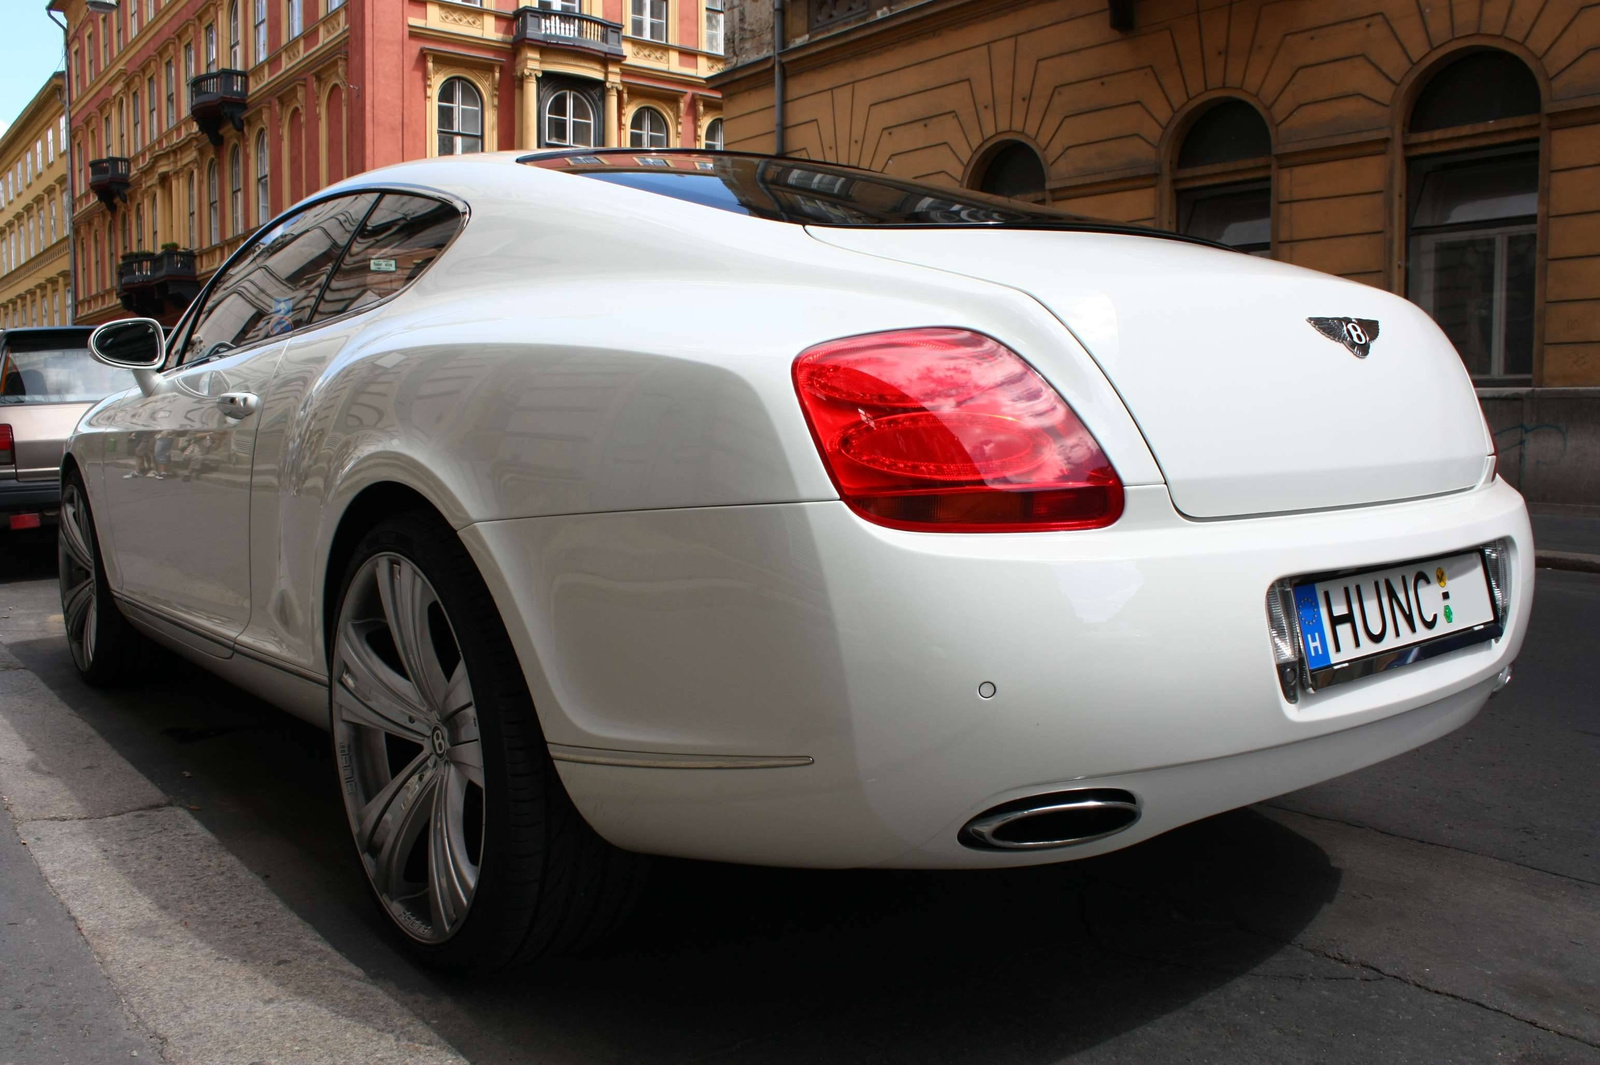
x: 545, y: 881
x: 106, y: 650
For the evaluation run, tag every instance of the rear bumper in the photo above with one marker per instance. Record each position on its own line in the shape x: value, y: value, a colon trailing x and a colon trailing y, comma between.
x: 21, y: 497
x: 1134, y: 657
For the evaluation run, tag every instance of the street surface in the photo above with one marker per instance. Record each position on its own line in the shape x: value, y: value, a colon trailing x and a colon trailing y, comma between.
x: 1444, y: 906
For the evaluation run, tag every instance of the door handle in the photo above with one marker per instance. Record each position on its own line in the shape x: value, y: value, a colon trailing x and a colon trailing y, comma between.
x: 239, y: 404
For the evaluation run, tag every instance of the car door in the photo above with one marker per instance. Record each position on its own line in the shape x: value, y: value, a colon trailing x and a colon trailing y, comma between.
x: 176, y: 476
x: 401, y: 238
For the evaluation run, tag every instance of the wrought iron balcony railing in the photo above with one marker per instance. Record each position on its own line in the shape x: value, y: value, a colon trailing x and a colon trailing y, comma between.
x: 217, y: 97
x: 108, y: 179
x: 568, y: 29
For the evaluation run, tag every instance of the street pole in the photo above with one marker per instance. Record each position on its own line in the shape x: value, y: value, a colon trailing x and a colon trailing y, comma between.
x: 102, y: 7
x: 72, y: 169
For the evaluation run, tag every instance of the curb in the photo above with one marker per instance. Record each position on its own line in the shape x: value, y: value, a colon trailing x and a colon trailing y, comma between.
x: 1576, y: 561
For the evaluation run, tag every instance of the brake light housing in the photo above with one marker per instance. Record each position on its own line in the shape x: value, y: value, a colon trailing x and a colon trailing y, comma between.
x: 949, y: 430
x: 8, y: 445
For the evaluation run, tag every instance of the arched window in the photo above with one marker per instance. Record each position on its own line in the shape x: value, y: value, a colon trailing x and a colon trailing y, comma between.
x: 213, y: 222
x: 1012, y: 169
x: 1471, y: 213
x: 568, y: 120
x: 263, y: 181
x: 236, y: 190
x: 460, y: 118
x: 648, y: 129
x: 235, y: 59
x: 1224, y: 178
x: 714, y: 135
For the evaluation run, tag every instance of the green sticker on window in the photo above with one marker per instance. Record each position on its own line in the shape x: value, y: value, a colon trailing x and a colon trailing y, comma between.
x: 382, y: 266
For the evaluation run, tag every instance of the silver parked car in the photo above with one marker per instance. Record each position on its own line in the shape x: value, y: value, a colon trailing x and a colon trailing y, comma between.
x: 47, y: 380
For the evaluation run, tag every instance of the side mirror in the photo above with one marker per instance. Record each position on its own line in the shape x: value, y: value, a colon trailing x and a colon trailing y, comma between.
x: 137, y: 344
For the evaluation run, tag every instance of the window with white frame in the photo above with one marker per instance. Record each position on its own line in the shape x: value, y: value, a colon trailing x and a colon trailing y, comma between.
x: 150, y: 102
x: 213, y: 214
x: 211, y: 48
x: 714, y: 134
x: 188, y: 73
x: 172, y: 110
x: 263, y: 181
x: 568, y: 121
x: 648, y: 129
x: 259, y: 21
x: 714, y: 22
x: 236, y: 190
x: 649, y: 19
x: 295, y: 19
x: 136, y: 123
x: 235, y: 59
x: 460, y: 118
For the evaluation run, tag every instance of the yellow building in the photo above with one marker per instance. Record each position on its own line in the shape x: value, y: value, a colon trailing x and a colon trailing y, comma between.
x: 35, y: 278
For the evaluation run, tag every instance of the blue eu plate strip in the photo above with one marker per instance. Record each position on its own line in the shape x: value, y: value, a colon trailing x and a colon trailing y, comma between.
x: 1312, y: 634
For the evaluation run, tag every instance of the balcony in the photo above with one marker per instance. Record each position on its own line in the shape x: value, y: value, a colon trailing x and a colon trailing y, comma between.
x: 217, y: 98
x: 568, y: 29
x: 108, y: 179
x: 154, y: 284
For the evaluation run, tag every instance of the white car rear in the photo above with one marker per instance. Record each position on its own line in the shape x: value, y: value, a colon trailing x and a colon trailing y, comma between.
x: 792, y: 515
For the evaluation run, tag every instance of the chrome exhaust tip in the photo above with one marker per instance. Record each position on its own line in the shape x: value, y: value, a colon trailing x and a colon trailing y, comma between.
x: 1058, y: 819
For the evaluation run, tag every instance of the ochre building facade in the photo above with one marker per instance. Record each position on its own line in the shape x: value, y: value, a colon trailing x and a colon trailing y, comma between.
x: 35, y: 282
x: 196, y: 121
x: 1448, y: 151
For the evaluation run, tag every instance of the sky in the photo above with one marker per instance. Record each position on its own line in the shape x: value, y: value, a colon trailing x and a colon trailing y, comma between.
x: 30, y: 50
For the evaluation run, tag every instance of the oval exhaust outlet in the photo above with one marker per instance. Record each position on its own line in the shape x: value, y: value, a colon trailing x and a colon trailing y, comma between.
x: 1058, y: 819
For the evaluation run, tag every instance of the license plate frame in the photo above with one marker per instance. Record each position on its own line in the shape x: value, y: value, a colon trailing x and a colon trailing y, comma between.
x: 1317, y: 678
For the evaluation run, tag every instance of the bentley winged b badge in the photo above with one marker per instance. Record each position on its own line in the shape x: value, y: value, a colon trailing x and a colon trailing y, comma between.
x: 1356, y: 334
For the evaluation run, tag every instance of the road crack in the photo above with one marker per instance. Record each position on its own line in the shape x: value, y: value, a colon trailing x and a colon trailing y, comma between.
x: 1342, y: 959
x: 1430, y: 843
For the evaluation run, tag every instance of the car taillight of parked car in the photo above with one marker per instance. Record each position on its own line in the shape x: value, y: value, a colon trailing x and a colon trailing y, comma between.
x: 948, y: 430
x: 7, y: 445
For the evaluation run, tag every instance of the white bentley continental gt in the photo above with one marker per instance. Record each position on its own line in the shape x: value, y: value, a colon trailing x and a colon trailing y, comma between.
x: 760, y: 510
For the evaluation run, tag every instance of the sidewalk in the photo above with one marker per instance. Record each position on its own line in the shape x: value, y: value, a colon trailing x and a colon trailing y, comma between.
x: 1567, y: 537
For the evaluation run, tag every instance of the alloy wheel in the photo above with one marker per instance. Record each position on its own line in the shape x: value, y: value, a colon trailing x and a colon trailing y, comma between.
x: 76, y: 563
x: 410, y: 758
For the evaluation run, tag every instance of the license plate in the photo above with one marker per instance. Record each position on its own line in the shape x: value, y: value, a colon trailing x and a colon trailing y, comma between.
x: 1343, y: 619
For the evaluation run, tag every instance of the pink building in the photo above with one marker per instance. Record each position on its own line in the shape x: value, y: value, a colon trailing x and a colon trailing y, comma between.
x: 195, y: 121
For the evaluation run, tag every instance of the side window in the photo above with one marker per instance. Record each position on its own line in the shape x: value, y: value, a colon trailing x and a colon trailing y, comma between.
x: 271, y: 289
x: 400, y: 238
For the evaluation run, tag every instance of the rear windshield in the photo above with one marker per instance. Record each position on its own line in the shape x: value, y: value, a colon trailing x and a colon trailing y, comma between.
x: 798, y: 190
x: 61, y: 375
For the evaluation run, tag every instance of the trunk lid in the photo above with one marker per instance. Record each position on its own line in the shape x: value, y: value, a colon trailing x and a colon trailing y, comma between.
x: 1247, y: 406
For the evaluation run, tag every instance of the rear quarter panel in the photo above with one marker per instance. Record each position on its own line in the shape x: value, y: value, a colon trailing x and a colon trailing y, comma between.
x: 588, y: 349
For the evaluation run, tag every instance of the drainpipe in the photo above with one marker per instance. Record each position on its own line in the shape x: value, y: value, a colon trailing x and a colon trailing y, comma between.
x: 777, y: 77
x: 71, y: 296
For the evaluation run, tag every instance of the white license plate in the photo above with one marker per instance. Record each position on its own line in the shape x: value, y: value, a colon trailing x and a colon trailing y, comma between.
x: 1363, y: 614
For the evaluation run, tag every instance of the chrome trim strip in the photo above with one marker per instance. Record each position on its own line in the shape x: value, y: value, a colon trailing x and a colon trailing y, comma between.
x: 279, y: 664
x: 562, y: 752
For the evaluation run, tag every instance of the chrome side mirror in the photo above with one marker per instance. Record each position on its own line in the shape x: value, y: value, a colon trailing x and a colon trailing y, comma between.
x: 137, y: 344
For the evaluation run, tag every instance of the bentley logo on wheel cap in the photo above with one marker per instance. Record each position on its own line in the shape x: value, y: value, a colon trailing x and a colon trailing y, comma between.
x: 1356, y: 334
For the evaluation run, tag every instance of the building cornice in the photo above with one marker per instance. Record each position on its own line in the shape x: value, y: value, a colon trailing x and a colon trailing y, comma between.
x: 19, y: 135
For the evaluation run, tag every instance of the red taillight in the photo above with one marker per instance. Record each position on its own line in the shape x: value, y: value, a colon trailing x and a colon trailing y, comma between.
x: 7, y: 443
x: 949, y: 430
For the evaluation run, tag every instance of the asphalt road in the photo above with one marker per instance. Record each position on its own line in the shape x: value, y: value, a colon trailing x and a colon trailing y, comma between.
x: 1444, y: 906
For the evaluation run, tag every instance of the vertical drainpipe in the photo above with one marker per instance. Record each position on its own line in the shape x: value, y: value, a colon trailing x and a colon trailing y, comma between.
x: 70, y: 297
x: 777, y: 77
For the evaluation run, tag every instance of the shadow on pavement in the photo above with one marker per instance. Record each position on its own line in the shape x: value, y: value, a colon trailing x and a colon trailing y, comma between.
x: 734, y: 962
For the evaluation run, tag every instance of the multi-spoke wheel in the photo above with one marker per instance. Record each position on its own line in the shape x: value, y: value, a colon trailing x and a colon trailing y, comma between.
x: 104, y: 648
x: 407, y: 736
x: 469, y: 843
